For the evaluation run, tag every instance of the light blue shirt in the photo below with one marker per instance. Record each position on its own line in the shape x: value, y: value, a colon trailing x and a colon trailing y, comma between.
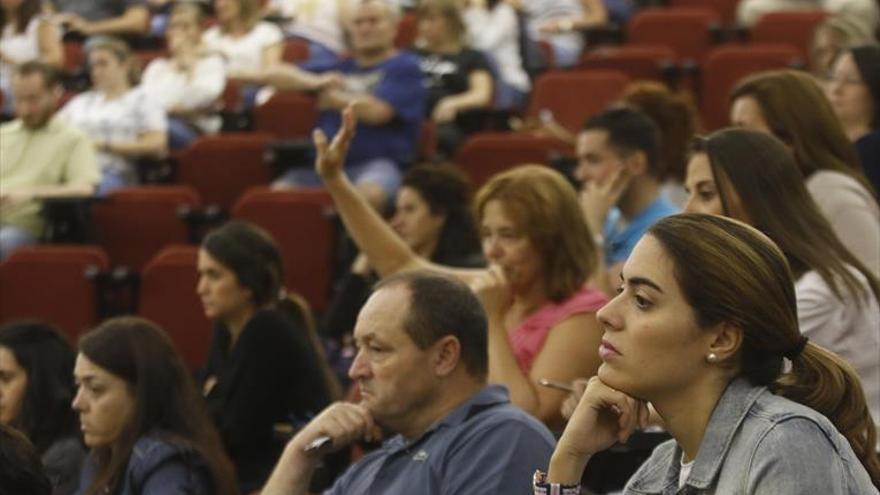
x: 621, y: 239
x: 486, y: 446
x: 756, y: 443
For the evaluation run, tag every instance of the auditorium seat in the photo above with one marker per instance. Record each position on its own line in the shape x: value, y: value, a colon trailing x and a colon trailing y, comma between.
x: 485, y: 154
x: 636, y: 61
x: 287, y: 114
x: 726, y: 9
x: 573, y: 96
x: 794, y: 28
x: 299, y: 220
x: 295, y: 50
x: 687, y: 30
x: 407, y: 31
x: 54, y: 284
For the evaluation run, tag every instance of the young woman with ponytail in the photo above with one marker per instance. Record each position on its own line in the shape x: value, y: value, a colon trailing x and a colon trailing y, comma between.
x: 705, y: 328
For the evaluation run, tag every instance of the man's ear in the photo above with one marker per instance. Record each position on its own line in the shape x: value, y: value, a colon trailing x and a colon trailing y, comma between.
x: 636, y: 163
x: 445, y: 355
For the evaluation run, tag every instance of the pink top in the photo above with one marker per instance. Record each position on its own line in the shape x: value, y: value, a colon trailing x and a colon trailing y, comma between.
x: 528, y: 338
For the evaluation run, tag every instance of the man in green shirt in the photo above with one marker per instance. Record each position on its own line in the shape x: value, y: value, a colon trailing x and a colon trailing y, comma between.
x: 40, y: 157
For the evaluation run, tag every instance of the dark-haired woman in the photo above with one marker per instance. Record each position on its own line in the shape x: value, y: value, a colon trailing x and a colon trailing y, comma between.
x: 264, y: 367
x: 854, y: 91
x: 36, y: 387
x: 704, y: 327
x: 141, y: 416
x: 433, y: 217
x: 751, y: 176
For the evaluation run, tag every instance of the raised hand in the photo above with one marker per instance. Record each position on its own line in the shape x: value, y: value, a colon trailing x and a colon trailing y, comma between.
x: 330, y: 160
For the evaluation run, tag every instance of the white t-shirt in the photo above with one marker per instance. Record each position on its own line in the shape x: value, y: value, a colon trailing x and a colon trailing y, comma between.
x: 496, y: 33
x: 843, y: 327
x: 317, y: 20
x: 165, y: 84
x: 119, y: 120
x: 244, y: 52
x: 539, y: 12
x: 21, y: 47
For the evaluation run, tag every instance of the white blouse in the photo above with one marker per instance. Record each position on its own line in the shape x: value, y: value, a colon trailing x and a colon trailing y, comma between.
x: 244, y: 52
x: 165, y: 84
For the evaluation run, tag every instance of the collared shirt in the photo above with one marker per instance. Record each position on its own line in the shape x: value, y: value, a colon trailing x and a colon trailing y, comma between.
x: 621, y: 239
x: 757, y: 442
x: 54, y: 154
x: 485, y: 446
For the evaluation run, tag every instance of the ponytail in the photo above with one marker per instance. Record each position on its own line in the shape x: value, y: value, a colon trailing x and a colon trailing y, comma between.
x: 822, y: 381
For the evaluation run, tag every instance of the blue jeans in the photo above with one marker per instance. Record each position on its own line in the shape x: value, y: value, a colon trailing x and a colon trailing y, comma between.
x: 111, y: 181
x: 12, y: 238
x: 180, y: 133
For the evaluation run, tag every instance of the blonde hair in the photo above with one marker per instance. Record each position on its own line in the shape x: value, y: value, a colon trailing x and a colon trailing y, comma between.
x: 546, y: 207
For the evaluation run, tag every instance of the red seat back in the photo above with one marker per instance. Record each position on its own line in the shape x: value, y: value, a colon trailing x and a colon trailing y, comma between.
x: 636, y: 61
x: 287, y: 114
x: 299, y: 222
x: 50, y: 283
x: 222, y: 167
x: 793, y: 28
x: 486, y: 154
x: 573, y: 96
x: 687, y: 30
x: 726, y: 9
x: 407, y: 30
x: 168, y: 297
x: 132, y: 224
x: 295, y: 50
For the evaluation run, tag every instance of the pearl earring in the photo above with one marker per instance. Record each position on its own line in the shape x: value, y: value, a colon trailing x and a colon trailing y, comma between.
x: 712, y: 357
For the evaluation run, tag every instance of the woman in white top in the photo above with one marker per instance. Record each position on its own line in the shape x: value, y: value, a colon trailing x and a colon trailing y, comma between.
x: 25, y: 36
x: 188, y: 83
x: 751, y: 176
x: 319, y: 22
x: 493, y: 28
x: 121, y: 119
x: 792, y: 106
x: 248, y: 44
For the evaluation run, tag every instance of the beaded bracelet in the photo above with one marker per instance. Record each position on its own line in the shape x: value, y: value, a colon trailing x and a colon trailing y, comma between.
x: 541, y: 487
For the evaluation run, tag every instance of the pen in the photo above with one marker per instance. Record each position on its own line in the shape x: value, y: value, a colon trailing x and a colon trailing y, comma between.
x: 558, y: 386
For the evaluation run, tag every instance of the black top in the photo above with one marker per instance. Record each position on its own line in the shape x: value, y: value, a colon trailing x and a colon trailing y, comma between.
x: 271, y: 376
x: 868, y: 147
x: 449, y: 74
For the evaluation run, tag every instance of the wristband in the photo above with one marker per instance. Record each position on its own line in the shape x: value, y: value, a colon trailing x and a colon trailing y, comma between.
x: 541, y: 487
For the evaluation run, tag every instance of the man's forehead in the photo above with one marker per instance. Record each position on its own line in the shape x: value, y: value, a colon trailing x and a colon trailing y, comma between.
x: 373, y: 9
x: 383, y: 314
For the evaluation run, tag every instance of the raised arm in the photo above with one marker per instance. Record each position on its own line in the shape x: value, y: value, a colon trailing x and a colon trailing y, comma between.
x: 386, y: 251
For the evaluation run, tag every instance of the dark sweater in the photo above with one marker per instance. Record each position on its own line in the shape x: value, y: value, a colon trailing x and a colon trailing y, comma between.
x: 271, y: 376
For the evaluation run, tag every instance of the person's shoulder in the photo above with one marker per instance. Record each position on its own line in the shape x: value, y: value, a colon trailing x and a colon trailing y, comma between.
x: 828, y: 183
x: 11, y: 127
x: 271, y: 326
x: 774, y: 416
x: 155, y: 452
x: 265, y: 29
x: 651, y: 475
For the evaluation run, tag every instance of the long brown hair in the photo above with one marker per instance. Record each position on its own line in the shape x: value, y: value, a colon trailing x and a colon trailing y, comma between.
x: 761, y: 171
x: 731, y: 273
x: 545, y: 206
x: 28, y: 10
x: 166, y: 402
x: 798, y: 113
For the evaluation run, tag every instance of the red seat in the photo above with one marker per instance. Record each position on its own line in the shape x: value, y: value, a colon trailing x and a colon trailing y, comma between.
x: 132, y: 224
x: 222, y: 167
x: 230, y: 99
x: 299, y: 222
x: 168, y: 297
x: 794, y: 28
x: 573, y: 96
x: 636, y: 61
x: 50, y: 283
x: 407, y: 30
x: 726, y: 65
x: 726, y: 9
x: 295, y: 50
x: 287, y: 114
x: 687, y: 30
x: 74, y: 56
x: 485, y: 154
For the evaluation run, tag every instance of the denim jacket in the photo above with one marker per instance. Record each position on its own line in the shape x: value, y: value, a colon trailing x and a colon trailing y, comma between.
x: 759, y: 443
x: 158, y: 467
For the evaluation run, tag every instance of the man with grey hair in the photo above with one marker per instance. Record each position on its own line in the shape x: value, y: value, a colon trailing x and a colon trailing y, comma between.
x: 421, y: 370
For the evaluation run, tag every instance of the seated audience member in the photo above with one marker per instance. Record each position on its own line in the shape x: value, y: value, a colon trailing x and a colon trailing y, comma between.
x: 36, y: 388
x: 854, y: 91
x: 108, y: 17
x: 20, y: 468
x: 558, y: 23
x: 264, y: 366
x: 188, y: 83
x: 432, y: 217
x: 141, y: 416
x: 320, y: 23
x: 705, y: 317
x: 864, y: 13
x: 493, y: 28
x: 119, y: 116
x: 677, y: 119
x: 387, y: 87
x: 26, y: 36
x: 246, y: 43
x: 40, y: 157
x: 540, y: 251
x: 618, y: 167
x: 752, y: 177
x: 831, y: 37
x: 791, y: 106
x: 421, y: 369
x: 458, y: 79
